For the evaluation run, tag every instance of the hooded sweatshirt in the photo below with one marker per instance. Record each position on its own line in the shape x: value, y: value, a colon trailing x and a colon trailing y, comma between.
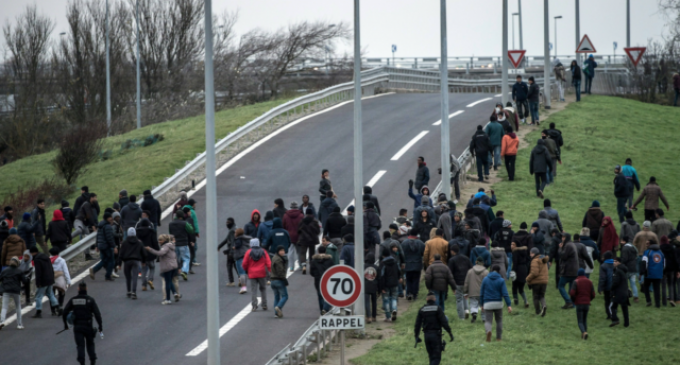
x: 509, y: 145
x: 130, y: 215
x: 277, y: 237
x: 493, y: 290
x: 256, y: 262
x: 474, y: 279
x: 265, y: 228
x: 417, y: 198
x: 58, y: 231
x: 250, y: 229
x: 540, y: 158
x: 291, y: 222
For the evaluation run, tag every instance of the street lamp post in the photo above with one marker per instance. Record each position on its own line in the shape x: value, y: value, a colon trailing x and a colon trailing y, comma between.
x: 521, y: 38
x: 108, y: 75
x: 546, y: 54
x: 444, y: 88
x: 513, y: 29
x: 504, y: 54
x: 578, y: 31
x: 557, y: 17
x: 358, y: 158
x: 628, y: 23
x: 139, y: 85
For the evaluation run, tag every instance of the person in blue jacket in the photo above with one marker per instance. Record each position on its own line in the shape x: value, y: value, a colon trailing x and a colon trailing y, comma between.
x: 653, y: 263
x: 347, y: 252
x: 491, y: 297
x: 632, y: 177
x: 495, y: 132
x: 520, y: 93
x: 589, y: 67
x: 278, y: 237
x: 416, y: 197
x: 480, y: 251
x: 265, y: 228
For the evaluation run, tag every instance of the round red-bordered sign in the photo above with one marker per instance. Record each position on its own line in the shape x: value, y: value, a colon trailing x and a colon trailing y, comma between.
x: 340, y: 286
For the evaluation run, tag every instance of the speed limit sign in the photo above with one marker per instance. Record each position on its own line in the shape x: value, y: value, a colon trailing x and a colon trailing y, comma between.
x: 340, y: 286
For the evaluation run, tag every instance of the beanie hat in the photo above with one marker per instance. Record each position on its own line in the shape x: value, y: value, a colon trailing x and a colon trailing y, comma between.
x: 254, y: 242
x: 26, y: 216
x: 596, y: 204
x: 523, y: 225
x: 146, y: 192
x: 608, y: 255
x: 64, y: 203
x: 107, y: 215
x: 115, y: 215
x: 116, y: 205
x: 673, y: 234
x: 7, y: 209
x: 293, y: 205
x: 535, y: 251
x: 123, y: 192
x: 535, y: 224
x: 581, y: 272
x: 350, y: 208
x: 13, y: 230
x: 506, y: 223
x: 4, y: 224
x: 131, y: 232
x: 546, y: 203
x: 480, y: 260
x: 647, y: 224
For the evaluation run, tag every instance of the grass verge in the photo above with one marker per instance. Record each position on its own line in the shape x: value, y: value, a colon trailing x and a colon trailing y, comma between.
x: 599, y: 133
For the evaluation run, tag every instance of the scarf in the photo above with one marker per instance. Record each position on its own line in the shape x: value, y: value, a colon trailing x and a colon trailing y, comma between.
x: 609, y: 237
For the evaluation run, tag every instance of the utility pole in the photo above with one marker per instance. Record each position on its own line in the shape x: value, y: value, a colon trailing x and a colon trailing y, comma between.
x: 513, y: 29
x: 521, y: 38
x: 627, y: 23
x: 108, y: 75
x: 504, y: 55
x: 213, y: 300
x: 139, y: 87
x: 444, y: 88
x: 546, y: 54
x: 359, y: 309
x: 578, y: 32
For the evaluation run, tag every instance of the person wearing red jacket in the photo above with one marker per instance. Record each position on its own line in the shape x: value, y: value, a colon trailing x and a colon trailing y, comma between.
x: 257, y: 264
x: 582, y: 292
x: 291, y: 221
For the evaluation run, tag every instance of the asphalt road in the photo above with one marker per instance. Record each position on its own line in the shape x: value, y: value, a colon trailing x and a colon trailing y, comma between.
x: 286, y: 166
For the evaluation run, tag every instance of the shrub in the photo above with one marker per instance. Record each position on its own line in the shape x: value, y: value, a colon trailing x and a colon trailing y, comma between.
x: 25, y: 198
x: 77, y: 149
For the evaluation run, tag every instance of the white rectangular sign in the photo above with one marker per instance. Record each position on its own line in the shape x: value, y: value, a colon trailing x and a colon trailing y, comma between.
x: 516, y: 71
x: 341, y: 323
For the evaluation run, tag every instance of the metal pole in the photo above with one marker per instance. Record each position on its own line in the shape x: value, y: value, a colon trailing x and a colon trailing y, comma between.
x: 513, y: 31
x: 578, y: 31
x: 211, y: 196
x: 139, y: 87
x: 444, y: 88
x: 504, y: 55
x: 627, y: 23
x: 358, y: 157
x: 108, y: 75
x: 546, y: 53
x: 521, y: 38
x: 555, y: 38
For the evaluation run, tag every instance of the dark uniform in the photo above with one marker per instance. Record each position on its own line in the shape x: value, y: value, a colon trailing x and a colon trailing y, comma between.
x: 431, y: 318
x: 83, y: 307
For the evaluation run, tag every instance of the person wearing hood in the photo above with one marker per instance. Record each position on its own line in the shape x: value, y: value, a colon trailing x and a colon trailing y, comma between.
x: 459, y: 264
x: 520, y: 265
x: 480, y: 251
x: 318, y: 266
x: 133, y: 255
x: 372, y: 225
x: 560, y: 78
x: 535, y: 239
x: 499, y: 258
x: 576, y: 78
x: 151, y: 205
x: 279, y: 208
x: 308, y: 237
x: 183, y: 200
x: 589, y: 67
x: 629, y: 256
x: 58, y: 231
x: 653, y: 264
x: 11, y: 279
x: 147, y: 234
x: 182, y: 230
x: 418, y: 198
x: 504, y: 239
x: 325, y: 186
x: 26, y: 231
x: 480, y: 147
x: 492, y: 293
x: 241, y: 245
x: 291, y: 221
x: 82, y: 308
x: 371, y: 278
x: 130, y: 214
x: 68, y: 215
x: 661, y: 226
x: 446, y: 224
x: 279, y: 279
x: 552, y: 215
x: 413, y: 249
x: 347, y: 253
x: 13, y: 246
x: 591, y: 247
x: 81, y: 199
x: 368, y: 196
x: 607, y: 239
x: 264, y: 229
x: 509, y: 146
x: 278, y: 237
x: 495, y: 132
x: 539, y: 163
x: 168, y: 265
x: 651, y: 194
x: 537, y: 280
x: 604, y: 284
x: 326, y: 208
x: 426, y: 204
x: 472, y: 287
x: 26, y: 266
x: 229, y: 251
x: 388, y: 284
x: 334, y: 224
x: 44, y: 281
x: 568, y: 266
x: 619, y: 293
x: 629, y: 228
x: 39, y: 220
x: 593, y: 219
x: 582, y: 293
x: 257, y: 265
x: 422, y: 173
x: 331, y: 249
x: 251, y: 228
x: 670, y: 272
x: 621, y: 192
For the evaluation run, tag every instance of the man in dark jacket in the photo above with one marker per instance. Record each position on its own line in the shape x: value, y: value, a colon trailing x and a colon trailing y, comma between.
x: 83, y: 307
x: 38, y: 220
x: 318, y: 266
x: 152, y: 205
x: 504, y: 237
x: 589, y: 67
x: 334, y: 224
x: 308, y: 238
x: 324, y: 186
x: 388, y: 285
x: 372, y: 225
x: 130, y: 214
x: 107, y: 247
x: 459, y: 265
x: 568, y: 256
x: 619, y: 293
x: 182, y: 230
x: 68, y: 214
x: 413, y: 249
x: 123, y: 199
x: 368, y: 193
x: 438, y: 278
x: 431, y: 319
x: 520, y: 93
x: 422, y: 174
x: 326, y: 208
x: 495, y: 132
x: 538, y: 166
x: 84, y: 197
x: 347, y: 253
x: 480, y: 147
x: 86, y: 217
x: 44, y: 279
x: 621, y: 192
x: 496, y: 224
x: 532, y: 98
x: 26, y: 230
x: 605, y: 282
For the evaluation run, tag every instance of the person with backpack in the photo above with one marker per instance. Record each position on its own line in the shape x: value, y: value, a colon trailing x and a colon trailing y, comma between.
x: 388, y: 285
x: 582, y: 293
x: 480, y: 147
x: 619, y: 293
x: 318, y: 266
x: 653, y: 263
x: 279, y: 279
x: 146, y: 233
x: 10, y: 280
x: 44, y: 281
x: 371, y: 279
x: 257, y: 264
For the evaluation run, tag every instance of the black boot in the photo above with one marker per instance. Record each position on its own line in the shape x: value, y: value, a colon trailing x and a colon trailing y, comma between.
x: 38, y: 314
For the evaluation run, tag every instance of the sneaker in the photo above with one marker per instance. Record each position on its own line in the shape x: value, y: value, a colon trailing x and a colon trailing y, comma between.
x: 467, y: 314
x: 20, y: 327
x: 184, y: 276
x: 166, y: 302
x: 108, y: 279
x: 92, y: 273
x: 38, y: 314
x: 279, y: 312
x: 177, y: 297
x: 388, y: 319
x: 191, y: 272
x: 254, y: 308
x: 114, y: 275
x: 139, y: 275
x: 231, y: 284
x: 409, y: 298
x: 368, y: 319
x: 134, y: 295
x: 545, y: 309
x: 474, y: 318
x: 243, y: 290
x: 150, y: 282
x: 636, y: 300
x: 394, y: 315
x: 264, y: 307
x: 196, y: 264
x: 649, y: 304
x: 143, y: 288
x: 304, y: 269
x: 616, y: 323
x: 401, y: 295
x: 540, y: 194
x: 568, y: 306
x: 488, y: 336
x: 526, y: 305
x: 129, y: 295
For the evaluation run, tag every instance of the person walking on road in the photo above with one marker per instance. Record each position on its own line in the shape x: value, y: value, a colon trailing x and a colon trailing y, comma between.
x: 532, y: 98
x: 325, y: 186
x: 308, y: 238
x: 182, y: 230
x: 582, y: 293
x: 509, y: 146
x: 492, y: 294
x: 318, y: 266
x: 576, y: 78
x: 257, y: 264
x: 495, y: 132
x: 422, y: 174
x: 291, y: 221
x: 58, y: 231
x: 279, y: 280
x: 480, y: 147
x: 539, y: 163
x: 413, y: 249
x: 431, y: 319
x: 652, y: 194
x: 130, y: 214
x: 151, y: 205
x: 168, y: 265
x: 371, y: 278
x: 146, y: 233
x: 251, y: 228
x: 83, y: 307
x: 520, y: 93
x: 13, y: 245
x: 44, y: 280
x: 133, y: 255
x: 327, y: 207
x: 11, y: 279
x: 107, y: 248
x: 241, y: 245
x: 589, y: 67
x: 229, y: 251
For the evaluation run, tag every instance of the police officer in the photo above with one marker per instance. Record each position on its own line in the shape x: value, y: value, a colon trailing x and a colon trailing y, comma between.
x: 83, y: 307
x: 431, y: 318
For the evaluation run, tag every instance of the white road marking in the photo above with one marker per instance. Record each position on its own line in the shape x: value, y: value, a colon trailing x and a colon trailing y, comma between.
x: 409, y: 145
x: 371, y: 183
x: 498, y: 95
x: 450, y: 116
x: 478, y: 102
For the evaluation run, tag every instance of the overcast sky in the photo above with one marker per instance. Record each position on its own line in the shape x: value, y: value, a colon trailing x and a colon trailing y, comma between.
x: 474, y: 27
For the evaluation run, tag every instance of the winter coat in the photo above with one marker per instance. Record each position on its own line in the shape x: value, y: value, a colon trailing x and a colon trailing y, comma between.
x: 500, y: 258
x: 279, y: 267
x: 333, y: 226
x: 194, y: 218
x: 534, y: 92
x: 582, y: 291
x: 422, y: 229
x: 435, y: 246
x: 130, y: 215
x: 324, y: 187
x: 621, y: 186
x: 629, y: 255
x: 480, y: 145
x: 182, y: 230
x: 653, y: 263
x: 520, y: 263
x: 368, y: 196
x: 308, y: 232
x: 389, y: 274
x: 147, y: 235
x: 495, y: 132
x: 640, y: 240
x: 520, y: 91
x: 629, y: 228
x: 132, y: 249
x: 593, y: 221
x: 585, y: 258
x: 26, y: 231
x: 11, y: 279
x: 371, y: 275
x: 265, y: 228
x: 537, y: 240
x: 325, y: 210
x: 662, y: 227
x: 309, y: 206
x: 151, y: 205
x: 463, y: 244
x: 250, y: 228
x: 474, y: 279
x: 422, y: 176
x: 347, y: 253
x: 553, y: 216
x: 348, y: 229
x: 509, y: 145
x: 241, y: 246
x: 371, y: 221
x: 414, y: 250
x: 540, y: 158
x: 671, y: 260
x: 279, y: 212
x: 619, y: 289
x: 166, y: 256
x: 459, y: 266
x: 480, y: 251
x: 105, y: 238
x: 480, y: 213
x: 589, y: 67
x: 446, y: 224
x: 495, y: 226
x: 44, y: 273
x: 504, y: 238
x: 13, y: 246
x: 438, y: 277
x: 257, y: 263
x: 277, y: 237
x: 332, y: 250
x: 38, y: 219
x: 291, y: 222
x: 493, y: 289
x: 320, y: 263
x: 593, y: 250
x: 575, y: 73
x: 559, y: 72
x: 605, y: 280
x: 569, y: 263
x: 538, y: 273
x: 58, y: 231
x: 417, y: 198
x: 651, y: 193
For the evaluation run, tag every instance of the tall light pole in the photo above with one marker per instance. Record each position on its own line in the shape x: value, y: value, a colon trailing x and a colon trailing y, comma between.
x: 578, y: 31
x: 108, y: 74
x: 521, y: 38
x: 513, y: 29
x: 358, y: 158
x: 444, y: 88
x: 504, y: 55
x: 628, y: 23
x: 211, y: 196
x: 557, y: 17
x: 546, y: 54
x: 139, y: 85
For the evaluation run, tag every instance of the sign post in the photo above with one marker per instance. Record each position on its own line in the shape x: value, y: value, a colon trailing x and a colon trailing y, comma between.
x: 635, y: 54
x: 394, y: 49
x: 340, y: 287
x: 516, y: 58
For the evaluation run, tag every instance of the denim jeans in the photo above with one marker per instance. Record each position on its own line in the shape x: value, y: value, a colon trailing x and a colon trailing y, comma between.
x: 323, y: 306
x: 533, y: 107
x: 540, y: 179
x: 183, y: 253
x: 169, y: 288
x: 564, y: 280
x: 509, y: 255
x: 371, y: 304
x: 106, y: 262
x: 482, y: 161
x: 621, y: 208
x: 633, y: 286
x: 461, y: 302
x: 280, y: 293
x: 440, y: 298
x: 496, y: 156
x: 41, y: 293
x: 390, y: 301
x: 577, y: 86
x: 677, y: 96
x: 589, y: 84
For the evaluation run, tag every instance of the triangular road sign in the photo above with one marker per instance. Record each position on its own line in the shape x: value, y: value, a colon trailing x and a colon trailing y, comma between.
x: 516, y: 57
x: 635, y: 54
x: 586, y: 46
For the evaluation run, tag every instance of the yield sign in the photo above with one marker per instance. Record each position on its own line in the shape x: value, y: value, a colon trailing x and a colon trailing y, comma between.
x: 586, y: 46
x: 516, y: 57
x: 635, y: 54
